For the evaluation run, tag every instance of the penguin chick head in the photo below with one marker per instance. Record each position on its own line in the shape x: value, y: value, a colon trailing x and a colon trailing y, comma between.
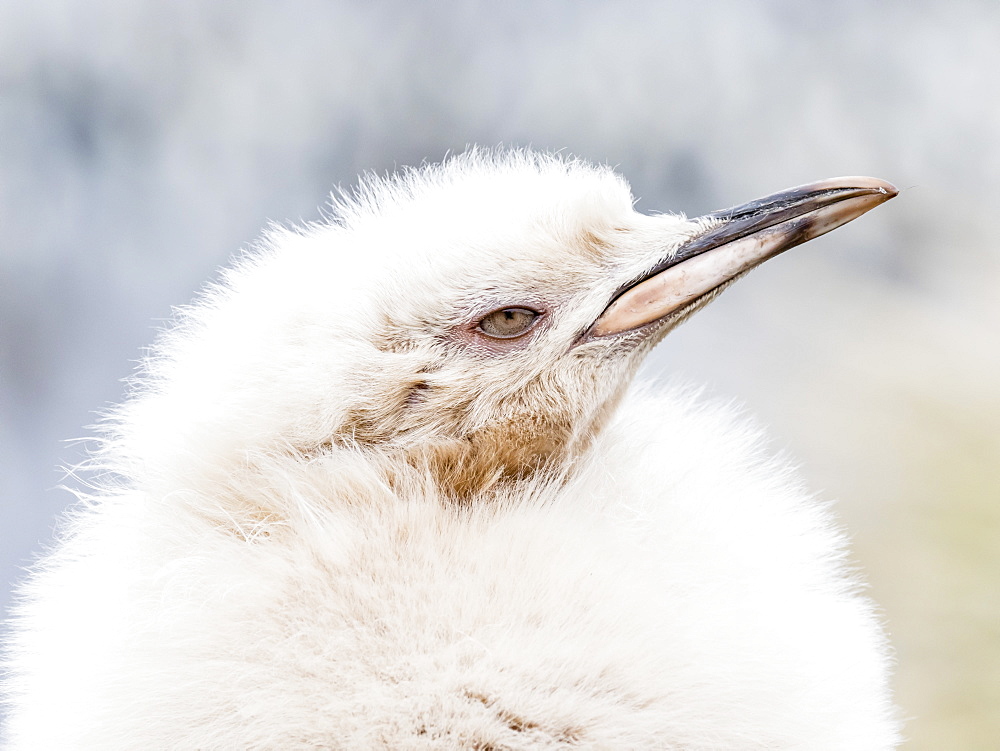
x: 475, y: 320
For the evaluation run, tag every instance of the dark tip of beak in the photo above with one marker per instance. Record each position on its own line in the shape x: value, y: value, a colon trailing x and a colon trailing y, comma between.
x: 737, y: 240
x: 743, y: 220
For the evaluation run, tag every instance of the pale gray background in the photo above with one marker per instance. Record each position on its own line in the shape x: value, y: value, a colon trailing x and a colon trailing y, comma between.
x: 142, y: 143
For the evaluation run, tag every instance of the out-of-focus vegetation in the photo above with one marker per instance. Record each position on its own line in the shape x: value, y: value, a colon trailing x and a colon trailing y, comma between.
x: 143, y: 143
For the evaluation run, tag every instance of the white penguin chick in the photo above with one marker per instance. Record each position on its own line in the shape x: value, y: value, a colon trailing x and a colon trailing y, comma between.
x: 387, y: 486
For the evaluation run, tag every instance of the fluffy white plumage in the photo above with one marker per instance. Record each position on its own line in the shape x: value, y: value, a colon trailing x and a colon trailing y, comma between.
x: 338, y: 517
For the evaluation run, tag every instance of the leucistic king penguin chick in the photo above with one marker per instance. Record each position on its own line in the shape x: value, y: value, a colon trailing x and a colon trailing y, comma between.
x: 387, y: 485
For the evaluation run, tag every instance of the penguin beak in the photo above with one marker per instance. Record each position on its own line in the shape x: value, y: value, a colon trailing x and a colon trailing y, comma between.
x: 737, y: 240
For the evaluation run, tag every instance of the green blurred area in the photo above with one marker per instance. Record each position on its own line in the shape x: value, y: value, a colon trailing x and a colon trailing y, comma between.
x: 899, y: 418
x: 934, y: 562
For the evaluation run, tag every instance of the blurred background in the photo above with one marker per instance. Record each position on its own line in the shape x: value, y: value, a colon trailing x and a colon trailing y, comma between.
x: 143, y: 143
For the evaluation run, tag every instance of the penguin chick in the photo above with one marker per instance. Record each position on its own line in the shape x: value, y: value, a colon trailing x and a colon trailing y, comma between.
x: 388, y: 485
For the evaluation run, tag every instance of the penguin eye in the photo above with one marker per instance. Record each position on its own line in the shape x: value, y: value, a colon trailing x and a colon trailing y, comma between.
x: 507, y: 323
